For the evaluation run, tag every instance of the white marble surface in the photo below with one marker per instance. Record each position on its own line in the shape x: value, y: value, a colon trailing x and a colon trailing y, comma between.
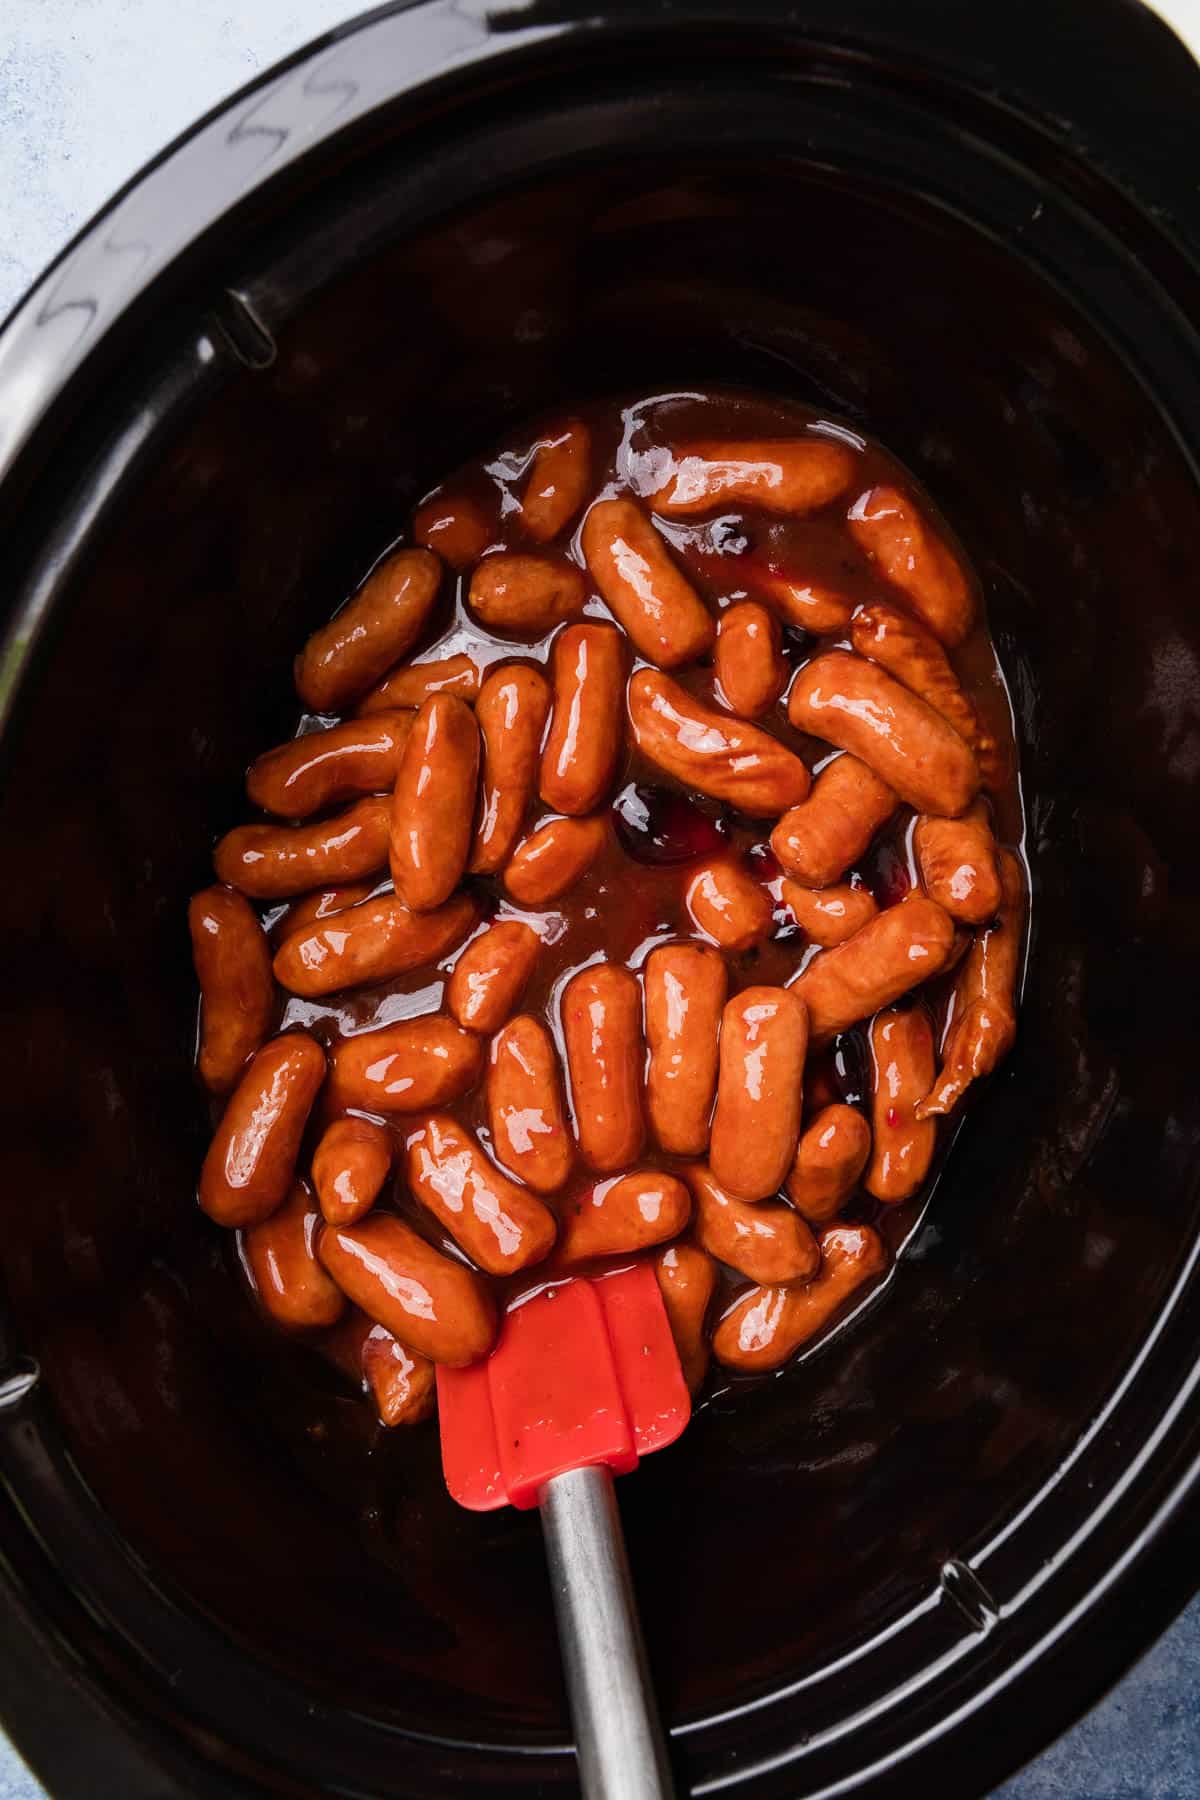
x: 89, y: 91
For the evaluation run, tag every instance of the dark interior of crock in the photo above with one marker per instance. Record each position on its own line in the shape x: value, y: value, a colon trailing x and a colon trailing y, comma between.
x: 794, y: 1522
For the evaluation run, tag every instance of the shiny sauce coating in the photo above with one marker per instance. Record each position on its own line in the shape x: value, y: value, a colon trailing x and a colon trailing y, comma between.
x: 652, y: 519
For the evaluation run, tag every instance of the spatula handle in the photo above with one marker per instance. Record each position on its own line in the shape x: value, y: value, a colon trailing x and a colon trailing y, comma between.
x: 622, y: 1755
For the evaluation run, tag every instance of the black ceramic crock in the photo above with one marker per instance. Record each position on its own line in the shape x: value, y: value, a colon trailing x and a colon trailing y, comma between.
x: 973, y: 230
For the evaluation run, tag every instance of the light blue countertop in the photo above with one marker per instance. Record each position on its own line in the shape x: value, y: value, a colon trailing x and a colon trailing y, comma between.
x: 89, y: 89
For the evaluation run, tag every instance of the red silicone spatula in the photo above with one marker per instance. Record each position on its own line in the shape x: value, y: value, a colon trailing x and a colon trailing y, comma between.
x: 583, y: 1381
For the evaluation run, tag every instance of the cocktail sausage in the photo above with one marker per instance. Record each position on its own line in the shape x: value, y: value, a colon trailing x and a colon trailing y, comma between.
x: 830, y: 915
x: 957, y: 860
x: 371, y: 632
x: 902, y: 1075
x: 983, y: 1019
x: 858, y: 706
x: 895, y: 951
x: 687, y: 1280
x: 748, y: 663
x: 764, y: 1036
x: 708, y: 750
x: 830, y: 1158
x: 782, y: 475
x: 766, y: 1325
x: 727, y: 904
x: 281, y: 1256
x: 526, y: 595
x: 617, y: 1217
x: 433, y: 803
x: 349, y: 1167
x: 554, y: 857
x: 602, y: 1032
x: 654, y: 601
x: 586, y: 727
x: 685, y: 985
x: 431, y: 1304
x: 273, y: 862
x: 817, y: 841
x: 315, y: 771
x: 251, y: 1161
x: 557, y: 484
x: 766, y: 1242
x: 908, y: 552
x: 406, y: 1067
x: 373, y: 941
x: 530, y: 1137
x: 501, y: 1226
x: 411, y: 684
x: 490, y: 976
x: 511, y: 712
x: 237, y: 992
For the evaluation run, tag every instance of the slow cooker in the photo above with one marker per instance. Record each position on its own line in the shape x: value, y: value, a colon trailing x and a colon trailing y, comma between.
x: 921, y: 1551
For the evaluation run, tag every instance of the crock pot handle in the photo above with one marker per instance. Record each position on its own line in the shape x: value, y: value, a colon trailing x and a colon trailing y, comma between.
x: 619, y: 1741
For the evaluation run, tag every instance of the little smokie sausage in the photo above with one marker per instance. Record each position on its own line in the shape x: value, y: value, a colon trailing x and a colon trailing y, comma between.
x: 349, y: 1167
x: 554, y: 857
x: 768, y: 1324
x: 858, y: 706
x: 765, y: 1241
x: 281, y: 1255
x: 511, y: 712
x: 909, y: 651
x: 687, y: 1280
x: 957, y: 860
x: 273, y: 862
x: 456, y: 526
x: 526, y: 595
x: 557, y: 483
x: 433, y: 1305
x: 433, y: 803
x: 727, y: 904
x: 828, y: 916
x: 237, y: 993
x: 501, y: 1226
x: 907, y: 551
x: 685, y: 985
x: 764, y: 1036
x: 530, y: 1137
x: 798, y: 596
x: 631, y: 1212
x: 782, y: 475
x: 748, y: 663
x: 490, y: 976
x: 830, y: 1157
x: 983, y: 1020
x: 710, y: 751
x: 817, y: 841
x: 312, y: 772
x: 411, y: 685
x: 902, y: 1074
x: 373, y: 941
x: 402, y: 1384
x: 894, y: 951
x: 654, y: 601
x: 405, y: 1067
x: 252, y: 1159
x: 585, y: 736
x: 371, y: 632
x: 602, y: 1032
x: 313, y: 908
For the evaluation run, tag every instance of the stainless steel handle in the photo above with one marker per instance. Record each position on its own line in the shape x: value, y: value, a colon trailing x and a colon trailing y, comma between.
x: 622, y: 1754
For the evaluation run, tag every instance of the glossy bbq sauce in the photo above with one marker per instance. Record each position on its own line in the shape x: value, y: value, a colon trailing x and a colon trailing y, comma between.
x: 632, y: 897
